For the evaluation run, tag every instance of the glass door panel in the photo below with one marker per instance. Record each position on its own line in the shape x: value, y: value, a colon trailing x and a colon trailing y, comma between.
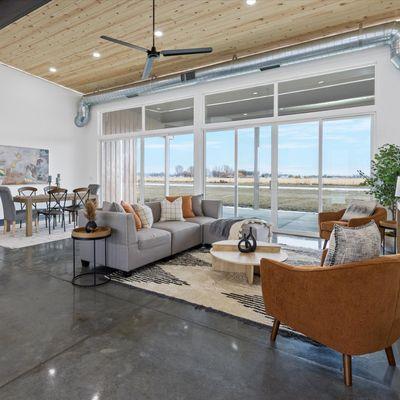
x: 220, y: 169
x: 181, y: 160
x: 154, y: 168
x: 298, y: 176
x: 254, y: 172
x: 346, y: 151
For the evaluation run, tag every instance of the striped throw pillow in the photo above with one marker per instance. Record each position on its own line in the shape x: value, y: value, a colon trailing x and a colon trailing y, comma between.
x: 171, y: 210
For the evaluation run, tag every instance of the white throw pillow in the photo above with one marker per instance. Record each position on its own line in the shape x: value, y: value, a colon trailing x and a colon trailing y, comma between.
x: 359, y: 209
x: 172, y: 210
x: 145, y: 214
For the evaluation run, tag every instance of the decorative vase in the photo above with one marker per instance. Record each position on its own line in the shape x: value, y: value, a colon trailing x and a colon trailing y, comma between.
x: 252, y: 240
x: 247, y: 243
x: 91, y: 226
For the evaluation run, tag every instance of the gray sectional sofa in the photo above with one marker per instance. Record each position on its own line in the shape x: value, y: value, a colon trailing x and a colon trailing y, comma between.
x: 128, y: 249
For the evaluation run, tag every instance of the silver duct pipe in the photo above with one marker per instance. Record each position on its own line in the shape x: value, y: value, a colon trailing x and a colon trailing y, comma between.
x: 387, y: 34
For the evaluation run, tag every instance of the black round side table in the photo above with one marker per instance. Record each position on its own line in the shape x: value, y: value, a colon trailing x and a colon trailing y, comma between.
x: 101, y: 233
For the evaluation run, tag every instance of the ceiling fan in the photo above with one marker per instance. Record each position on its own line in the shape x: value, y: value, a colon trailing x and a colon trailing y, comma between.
x: 153, y: 54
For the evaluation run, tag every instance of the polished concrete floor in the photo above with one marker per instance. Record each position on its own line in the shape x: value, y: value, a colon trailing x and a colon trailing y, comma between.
x: 61, y: 342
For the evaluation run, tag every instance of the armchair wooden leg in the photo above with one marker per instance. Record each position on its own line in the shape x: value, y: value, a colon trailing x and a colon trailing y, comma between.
x: 390, y: 356
x: 14, y: 228
x: 5, y: 226
x: 347, y: 374
x: 325, y: 243
x: 275, y: 329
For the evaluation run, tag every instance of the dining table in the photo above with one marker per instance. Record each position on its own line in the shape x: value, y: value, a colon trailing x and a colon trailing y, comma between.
x: 29, y: 201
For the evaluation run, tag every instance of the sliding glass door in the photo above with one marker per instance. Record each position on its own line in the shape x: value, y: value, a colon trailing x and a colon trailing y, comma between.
x: 238, y: 170
x: 346, y: 152
x: 298, y: 155
x: 220, y: 178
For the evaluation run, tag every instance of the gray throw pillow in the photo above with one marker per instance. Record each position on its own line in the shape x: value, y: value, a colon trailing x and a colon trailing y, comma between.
x: 347, y: 245
x: 107, y: 206
x: 359, y: 209
x: 196, y: 205
x: 116, y: 207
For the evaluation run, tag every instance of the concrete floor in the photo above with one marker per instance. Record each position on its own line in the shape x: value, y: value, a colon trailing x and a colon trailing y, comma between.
x: 62, y: 342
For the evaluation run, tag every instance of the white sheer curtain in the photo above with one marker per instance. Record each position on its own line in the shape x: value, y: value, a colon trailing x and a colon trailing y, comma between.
x: 118, y: 170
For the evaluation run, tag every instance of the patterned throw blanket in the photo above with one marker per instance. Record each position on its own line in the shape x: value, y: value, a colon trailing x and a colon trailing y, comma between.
x: 222, y: 227
x: 232, y: 228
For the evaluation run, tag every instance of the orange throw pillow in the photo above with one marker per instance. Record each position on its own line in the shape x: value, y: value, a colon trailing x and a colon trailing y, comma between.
x: 129, y: 210
x: 186, y: 205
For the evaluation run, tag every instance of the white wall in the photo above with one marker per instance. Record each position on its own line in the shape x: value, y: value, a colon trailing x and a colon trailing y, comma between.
x: 36, y: 113
x: 386, y: 107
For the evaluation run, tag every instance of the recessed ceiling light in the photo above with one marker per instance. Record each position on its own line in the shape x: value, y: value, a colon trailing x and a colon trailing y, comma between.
x: 244, y: 113
x: 158, y: 108
x: 52, y: 371
x: 255, y: 93
x: 251, y: 2
x: 53, y: 69
x: 321, y: 82
x: 158, y: 33
x: 96, y: 54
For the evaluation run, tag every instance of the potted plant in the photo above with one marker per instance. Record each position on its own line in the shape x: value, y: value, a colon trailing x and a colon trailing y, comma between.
x: 90, y: 214
x: 385, y: 168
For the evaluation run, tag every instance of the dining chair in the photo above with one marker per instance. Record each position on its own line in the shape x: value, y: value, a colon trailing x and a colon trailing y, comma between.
x: 55, y: 206
x: 81, y: 195
x: 10, y: 215
x: 26, y: 191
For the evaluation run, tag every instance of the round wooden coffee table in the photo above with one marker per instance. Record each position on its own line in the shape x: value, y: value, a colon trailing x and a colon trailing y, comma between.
x: 226, y: 258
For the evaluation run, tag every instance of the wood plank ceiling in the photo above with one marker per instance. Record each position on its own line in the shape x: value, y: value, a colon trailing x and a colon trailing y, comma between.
x: 65, y: 33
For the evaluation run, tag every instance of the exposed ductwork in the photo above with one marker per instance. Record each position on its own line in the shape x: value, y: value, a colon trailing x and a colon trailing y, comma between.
x: 387, y: 34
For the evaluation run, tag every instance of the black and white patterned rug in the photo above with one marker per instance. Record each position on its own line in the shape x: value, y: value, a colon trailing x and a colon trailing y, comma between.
x: 189, y: 277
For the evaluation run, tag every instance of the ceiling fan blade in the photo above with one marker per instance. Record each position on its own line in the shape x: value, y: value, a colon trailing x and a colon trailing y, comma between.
x: 117, y: 41
x: 148, y: 67
x: 182, y: 52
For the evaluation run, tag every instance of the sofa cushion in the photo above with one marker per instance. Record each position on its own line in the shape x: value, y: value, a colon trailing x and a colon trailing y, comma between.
x: 175, y: 226
x: 328, y: 225
x: 155, y: 209
x: 201, y: 220
x: 184, y: 235
x: 348, y: 245
x: 150, y: 237
x: 196, y: 205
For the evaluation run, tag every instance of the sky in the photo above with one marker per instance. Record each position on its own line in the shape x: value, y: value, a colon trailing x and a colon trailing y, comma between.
x: 346, y: 148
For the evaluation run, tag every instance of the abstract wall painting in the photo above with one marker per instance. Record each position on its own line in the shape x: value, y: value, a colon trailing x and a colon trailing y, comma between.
x: 23, y: 165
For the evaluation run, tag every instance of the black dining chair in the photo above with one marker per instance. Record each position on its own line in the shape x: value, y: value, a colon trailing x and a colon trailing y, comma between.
x: 81, y: 196
x: 55, y: 206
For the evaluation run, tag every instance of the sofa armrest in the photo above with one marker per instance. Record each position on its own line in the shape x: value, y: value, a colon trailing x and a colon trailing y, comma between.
x: 122, y: 225
x: 212, y: 208
x: 354, y: 222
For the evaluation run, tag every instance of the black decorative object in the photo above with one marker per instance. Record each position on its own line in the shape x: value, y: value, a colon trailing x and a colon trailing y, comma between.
x: 91, y: 226
x: 248, y: 243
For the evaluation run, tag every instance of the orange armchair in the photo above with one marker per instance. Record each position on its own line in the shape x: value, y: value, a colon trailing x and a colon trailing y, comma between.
x: 327, y: 220
x: 352, y: 308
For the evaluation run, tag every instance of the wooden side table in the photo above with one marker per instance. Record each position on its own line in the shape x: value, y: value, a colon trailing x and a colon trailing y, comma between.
x: 101, y: 233
x: 391, y: 225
